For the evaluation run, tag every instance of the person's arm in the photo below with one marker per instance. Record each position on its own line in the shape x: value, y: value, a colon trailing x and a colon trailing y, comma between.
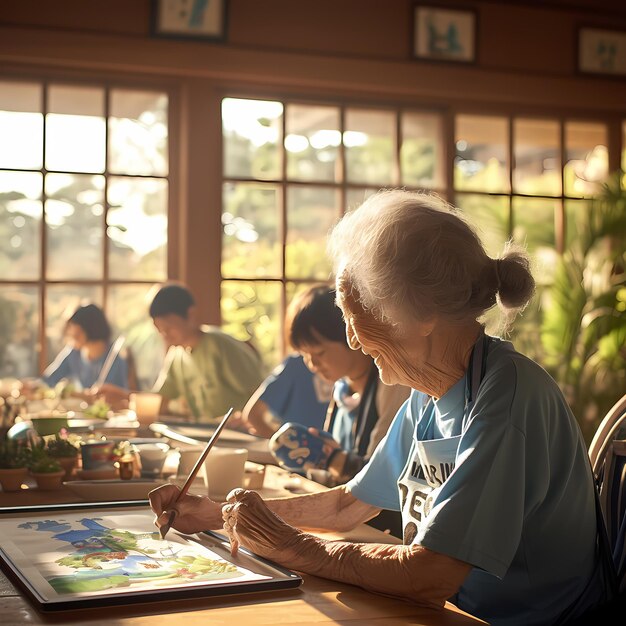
x: 257, y: 417
x: 410, y: 572
x: 58, y: 369
x: 265, y: 410
x: 335, y: 509
x: 165, y: 384
x: 118, y: 374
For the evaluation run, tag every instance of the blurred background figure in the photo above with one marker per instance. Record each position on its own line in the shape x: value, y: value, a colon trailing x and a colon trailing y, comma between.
x: 88, y: 346
x: 291, y: 393
x: 206, y: 371
x: 361, y: 408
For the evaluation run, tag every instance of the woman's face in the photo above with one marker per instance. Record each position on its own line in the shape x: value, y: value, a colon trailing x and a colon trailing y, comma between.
x: 395, y: 355
x: 331, y: 360
x: 377, y: 340
x: 75, y: 336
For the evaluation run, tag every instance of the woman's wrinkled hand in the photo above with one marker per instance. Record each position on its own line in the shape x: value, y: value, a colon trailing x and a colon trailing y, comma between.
x: 192, y: 514
x: 250, y: 523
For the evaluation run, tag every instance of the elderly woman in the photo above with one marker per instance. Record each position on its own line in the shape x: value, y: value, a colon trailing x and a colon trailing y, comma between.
x: 485, y: 460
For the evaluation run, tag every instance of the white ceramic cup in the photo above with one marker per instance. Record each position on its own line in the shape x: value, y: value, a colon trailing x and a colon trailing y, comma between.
x: 188, y: 458
x: 146, y: 405
x: 152, y: 457
x: 224, y: 470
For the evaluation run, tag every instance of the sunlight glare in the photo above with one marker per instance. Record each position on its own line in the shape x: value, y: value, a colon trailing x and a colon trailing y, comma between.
x: 242, y: 117
x: 354, y: 139
x: 57, y: 211
x: 22, y: 139
x: 25, y: 206
x: 75, y: 143
x: 147, y: 233
x: 324, y: 138
x: 296, y: 143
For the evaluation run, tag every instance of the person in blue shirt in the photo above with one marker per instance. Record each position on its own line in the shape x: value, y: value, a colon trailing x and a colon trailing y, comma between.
x: 291, y: 393
x: 88, y: 337
x: 485, y: 460
x: 360, y: 410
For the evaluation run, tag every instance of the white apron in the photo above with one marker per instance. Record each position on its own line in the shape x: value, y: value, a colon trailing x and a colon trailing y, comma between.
x: 432, y: 461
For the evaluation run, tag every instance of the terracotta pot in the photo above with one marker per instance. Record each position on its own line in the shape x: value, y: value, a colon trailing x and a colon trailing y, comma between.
x: 49, y: 481
x: 12, y: 479
x: 68, y: 464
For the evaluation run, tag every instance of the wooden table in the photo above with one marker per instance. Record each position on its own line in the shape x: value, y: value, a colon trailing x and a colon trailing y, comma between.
x: 317, y: 601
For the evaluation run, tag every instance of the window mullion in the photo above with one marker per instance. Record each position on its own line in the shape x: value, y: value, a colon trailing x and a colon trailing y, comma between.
x: 43, y: 350
x: 105, y: 212
x: 283, y: 231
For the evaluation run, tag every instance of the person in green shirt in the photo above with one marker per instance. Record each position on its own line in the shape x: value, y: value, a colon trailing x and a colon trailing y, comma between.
x: 206, y: 371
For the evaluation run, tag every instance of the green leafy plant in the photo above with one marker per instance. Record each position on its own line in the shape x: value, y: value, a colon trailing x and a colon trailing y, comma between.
x: 99, y: 409
x: 41, y: 462
x: 59, y: 447
x: 14, y: 454
x: 583, y: 332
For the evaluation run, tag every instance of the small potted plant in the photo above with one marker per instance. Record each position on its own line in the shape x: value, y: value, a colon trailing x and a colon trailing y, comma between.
x: 46, y: 471
x: 127, y: 460
x: 62, y: 449
x: 14, y: 463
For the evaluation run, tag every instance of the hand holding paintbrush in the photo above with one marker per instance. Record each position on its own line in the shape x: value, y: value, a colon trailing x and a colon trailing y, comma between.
x: 163, y: 521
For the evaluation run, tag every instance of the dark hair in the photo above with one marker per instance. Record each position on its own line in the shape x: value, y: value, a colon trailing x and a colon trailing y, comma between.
x: 314, y: 310
x: 172, y: 299
x: 93, y: 322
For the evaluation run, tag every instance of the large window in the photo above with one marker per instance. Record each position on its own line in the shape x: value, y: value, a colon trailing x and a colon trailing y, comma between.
x: 84, y: 201
x: 83, y: 215
x: 525, y: 179
x: 290, y: 170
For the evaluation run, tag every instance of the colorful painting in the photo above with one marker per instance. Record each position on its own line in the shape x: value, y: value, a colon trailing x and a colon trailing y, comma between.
x: 73, y: 555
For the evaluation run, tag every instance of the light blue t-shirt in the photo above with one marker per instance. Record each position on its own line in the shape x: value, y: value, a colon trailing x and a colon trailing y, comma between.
x: 294, y: 394
x: 507, y: 488
x: 83, y: 373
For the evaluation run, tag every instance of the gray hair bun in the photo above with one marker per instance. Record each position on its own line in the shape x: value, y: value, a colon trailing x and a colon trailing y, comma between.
x: 515, y: 284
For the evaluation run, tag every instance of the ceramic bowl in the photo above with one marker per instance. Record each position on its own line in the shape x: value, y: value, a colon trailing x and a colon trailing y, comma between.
x: 48, y: 423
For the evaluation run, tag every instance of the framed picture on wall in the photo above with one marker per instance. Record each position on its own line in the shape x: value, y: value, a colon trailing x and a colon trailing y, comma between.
x: 189, y: 19
x: 441, y: 34
x: 602, y: 51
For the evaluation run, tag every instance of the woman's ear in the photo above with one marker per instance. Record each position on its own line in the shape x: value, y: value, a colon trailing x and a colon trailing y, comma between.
x: 426, y: 327
x: 352, y: 338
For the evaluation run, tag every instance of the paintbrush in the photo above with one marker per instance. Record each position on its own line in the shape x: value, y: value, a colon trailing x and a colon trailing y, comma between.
x: 194, y: 472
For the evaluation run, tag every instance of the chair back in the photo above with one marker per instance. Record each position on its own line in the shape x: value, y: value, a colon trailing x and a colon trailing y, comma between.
x: 605, y: 433
x: 607, y: 453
